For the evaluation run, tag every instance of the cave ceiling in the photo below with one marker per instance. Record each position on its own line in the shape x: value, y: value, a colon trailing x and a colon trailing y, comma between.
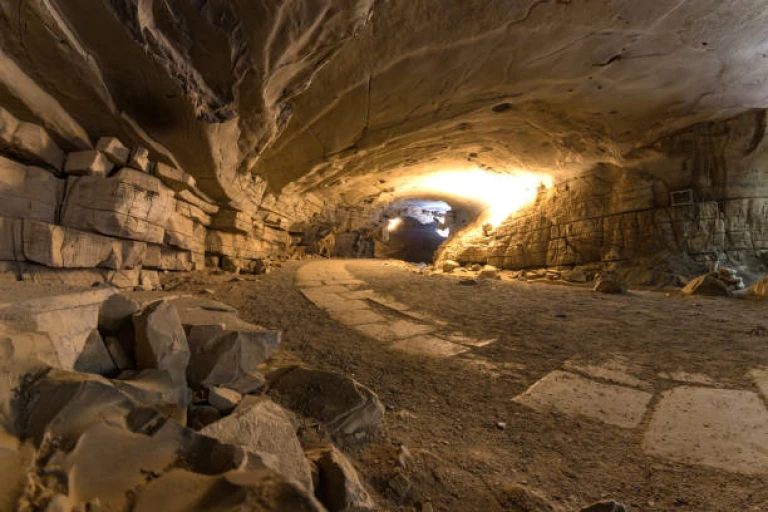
x: 351, y: 97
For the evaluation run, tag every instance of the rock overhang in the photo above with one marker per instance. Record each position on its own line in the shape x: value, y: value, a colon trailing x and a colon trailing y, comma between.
x: 314, y: 94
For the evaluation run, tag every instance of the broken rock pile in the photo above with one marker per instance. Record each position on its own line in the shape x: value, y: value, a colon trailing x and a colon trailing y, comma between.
x: 154, y: 402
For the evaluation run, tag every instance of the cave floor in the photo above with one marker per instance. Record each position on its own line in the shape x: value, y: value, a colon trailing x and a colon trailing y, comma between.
x: 646, y: 398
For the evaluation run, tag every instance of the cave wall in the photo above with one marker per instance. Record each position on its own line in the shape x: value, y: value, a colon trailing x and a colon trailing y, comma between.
x: 617, y: 214
x: 116, y: 211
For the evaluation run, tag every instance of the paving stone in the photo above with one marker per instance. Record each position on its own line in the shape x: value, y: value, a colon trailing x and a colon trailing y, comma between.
x: 429, y: 346
x: 689, y: 378
x: 344, y: 305
x: 724, y: 429
x: 578, y: 396
x: 88, y: 163
x: 467, y: 340
x: 614, y: 370
x: 357, y: 317
x: 113, y: 149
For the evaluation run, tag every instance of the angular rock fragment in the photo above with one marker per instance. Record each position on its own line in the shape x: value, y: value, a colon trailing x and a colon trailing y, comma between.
x: 88, y: 163
x: 159, y: 389
x: 605, y: 506
x: 223, y: 347
x: 95, y: 357
x: 260, y: 425
x: 28, y: 142
x: 65, y: 404
x: 114, y: 150
x: 450, y: 266
x: 611, y: 285
x: 160, y: 340
x: 489, y: 272
x: 223, y: 399
x: 173, y: 177
x: 116, y: 313
x: 344, y: 405
x: 252, y: 382
x: 28, y: 192
x: 139, y: 159
x: 263, y: 490
x: 67, y: 320
x: 337, y: 484
x: 109, y: 461
x: 120, y: 357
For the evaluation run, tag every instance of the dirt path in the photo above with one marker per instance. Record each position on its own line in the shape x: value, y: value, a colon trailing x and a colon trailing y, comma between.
x: 469, y: 444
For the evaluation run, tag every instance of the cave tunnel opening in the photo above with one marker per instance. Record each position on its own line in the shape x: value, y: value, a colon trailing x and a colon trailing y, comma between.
x: 415, y: 229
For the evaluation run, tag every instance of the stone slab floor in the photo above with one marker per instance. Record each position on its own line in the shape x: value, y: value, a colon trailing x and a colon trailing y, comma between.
x: 656, y: 401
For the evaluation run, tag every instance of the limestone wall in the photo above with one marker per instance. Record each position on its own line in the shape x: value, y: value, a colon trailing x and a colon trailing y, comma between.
x: 613, y: 214
x: 111, y: 208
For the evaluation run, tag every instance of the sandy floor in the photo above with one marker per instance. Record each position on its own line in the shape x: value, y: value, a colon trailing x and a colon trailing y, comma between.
x: 468, y: 443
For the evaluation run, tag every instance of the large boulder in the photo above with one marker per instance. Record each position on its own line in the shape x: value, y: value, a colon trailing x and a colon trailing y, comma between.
x: 344, y: 405
x: 160, y: 340
x: 65, y: 319
x: 260, y: 425
x: 224, y: 348
x: 337, y: 484
x: 707, y: 284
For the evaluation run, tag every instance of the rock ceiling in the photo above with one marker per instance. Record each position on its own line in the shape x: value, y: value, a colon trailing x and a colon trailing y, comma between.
x: 348, y: 95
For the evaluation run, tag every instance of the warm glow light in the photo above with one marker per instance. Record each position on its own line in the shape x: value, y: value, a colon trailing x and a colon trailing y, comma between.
x: 393, y: 223
x: 503, y: 194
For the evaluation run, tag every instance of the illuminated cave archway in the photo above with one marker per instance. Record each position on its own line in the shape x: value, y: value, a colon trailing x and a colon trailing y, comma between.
x: 417, y: 227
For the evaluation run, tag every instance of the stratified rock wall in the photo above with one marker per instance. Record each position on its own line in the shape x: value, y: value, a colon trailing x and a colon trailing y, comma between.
x: 701, y: 193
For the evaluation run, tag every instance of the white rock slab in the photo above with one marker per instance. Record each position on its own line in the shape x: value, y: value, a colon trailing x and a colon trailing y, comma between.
x: 613, y: 370
x: 724, y: 429
x: 578, y: 396
x: 429, y: 346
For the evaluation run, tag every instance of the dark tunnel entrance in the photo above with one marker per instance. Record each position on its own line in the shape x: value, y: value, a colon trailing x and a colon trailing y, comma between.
x: 415, y: 229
